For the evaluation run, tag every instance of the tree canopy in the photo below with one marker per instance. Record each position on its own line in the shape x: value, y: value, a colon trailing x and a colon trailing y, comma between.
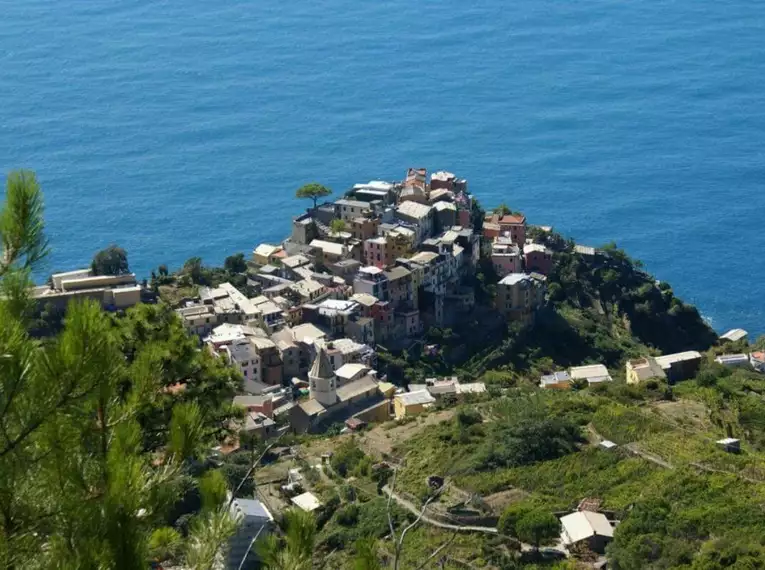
x: 537, y: 527
x: 112, y: 260
x: 337, y: 225
x: 313, y: 191
x: 96, y: 450
x: 235, y: 263
x: 22, y: 230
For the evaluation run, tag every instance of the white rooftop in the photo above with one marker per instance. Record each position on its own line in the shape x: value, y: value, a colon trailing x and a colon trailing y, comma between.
x: 734, y: 335
x: 364, y: 299
x: 588, y: 372
x: 371, y: 270
x: 266, y: 249
x: 307, y: 501
x: 584, y: 250
x: 581, y: 525
x: 251, y: 508
x: 514, y: 278
x: 668, y: 359
x: 532, y: 247
x: 351, y: 370
x: 338, y: 304
x: 471, y: 388
x: 418, y: 397
x: 329, y: 247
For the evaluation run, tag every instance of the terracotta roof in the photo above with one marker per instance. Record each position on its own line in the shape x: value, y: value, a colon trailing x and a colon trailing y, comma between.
x: 512, y: 219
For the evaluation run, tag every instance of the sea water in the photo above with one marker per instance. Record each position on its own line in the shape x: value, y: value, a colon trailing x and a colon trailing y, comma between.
x: 177, y: 129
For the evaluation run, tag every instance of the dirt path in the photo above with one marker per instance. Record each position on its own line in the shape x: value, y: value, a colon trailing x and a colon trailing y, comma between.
x: 632, y: 448
x: 409, y: 506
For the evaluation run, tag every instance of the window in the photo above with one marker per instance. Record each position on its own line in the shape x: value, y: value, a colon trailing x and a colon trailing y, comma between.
x: 244, y: 371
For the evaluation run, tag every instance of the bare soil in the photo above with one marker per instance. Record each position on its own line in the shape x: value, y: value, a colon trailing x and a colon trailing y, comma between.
x: 500, y: 501
x: 685, y: 413
x: 383, y: 439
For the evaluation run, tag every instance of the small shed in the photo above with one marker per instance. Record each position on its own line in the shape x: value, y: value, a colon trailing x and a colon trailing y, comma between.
x: 307, y: 501
x: 586, y: 526
x: 730, y: 445
x: 607, y: 444
x: 355, y: 424
x: 734, y: 335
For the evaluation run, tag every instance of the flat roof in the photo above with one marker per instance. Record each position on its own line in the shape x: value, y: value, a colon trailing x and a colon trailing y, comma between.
x: 338, y: 304
x: 471, y: 388
x: 328, y: 246
x: 350, y: 370
x: 307, y: 501
x: 584, y: 250
x: 590, y: 371
x: 669, y: 359
x: 424, y: 257
x: 352, y: 203
x: 252, y: 508
x: 267, y: 249
x: 514, y: 278
x: 734, y: 335
x: 364, y: 299
x: 397, y: 272
x: 732, y: 358
x: 534, y: 247
x: 418, y: 397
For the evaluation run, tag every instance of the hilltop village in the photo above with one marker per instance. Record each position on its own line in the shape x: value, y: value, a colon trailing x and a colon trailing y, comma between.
x: 372, y: 270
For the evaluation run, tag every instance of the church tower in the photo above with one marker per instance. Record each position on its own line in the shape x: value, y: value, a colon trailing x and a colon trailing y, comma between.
x: 323, y: 384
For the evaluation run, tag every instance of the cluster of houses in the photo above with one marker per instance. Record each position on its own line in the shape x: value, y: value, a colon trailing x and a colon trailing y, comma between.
x: 669, y: 367
x: 376, y: 267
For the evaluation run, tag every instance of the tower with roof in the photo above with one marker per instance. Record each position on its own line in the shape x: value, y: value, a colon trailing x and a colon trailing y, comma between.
x: 323, y: 383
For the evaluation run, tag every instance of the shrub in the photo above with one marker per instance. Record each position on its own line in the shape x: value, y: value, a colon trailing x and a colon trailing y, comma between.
x: 346, y: 458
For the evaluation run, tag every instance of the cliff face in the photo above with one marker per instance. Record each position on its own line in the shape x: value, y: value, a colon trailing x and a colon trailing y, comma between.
x: 612, y: 281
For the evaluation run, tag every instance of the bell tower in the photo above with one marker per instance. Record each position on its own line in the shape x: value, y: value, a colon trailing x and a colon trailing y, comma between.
x: 323, y: 383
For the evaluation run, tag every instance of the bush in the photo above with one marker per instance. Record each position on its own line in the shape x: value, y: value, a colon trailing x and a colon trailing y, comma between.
x: 510, y: 518
x: 346, y: 458
x: 348, y: 515
x: 538, y: 527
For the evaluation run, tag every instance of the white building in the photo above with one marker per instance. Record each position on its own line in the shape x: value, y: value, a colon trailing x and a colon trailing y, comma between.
x: 586, y: 526
x: 254, y: 521
x: 594, y: 374
x: 733, y: 360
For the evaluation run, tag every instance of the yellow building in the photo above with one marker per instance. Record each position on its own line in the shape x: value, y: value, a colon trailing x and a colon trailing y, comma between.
x: 266, y: 253
x: 642, y: 369
x: 411, y: 403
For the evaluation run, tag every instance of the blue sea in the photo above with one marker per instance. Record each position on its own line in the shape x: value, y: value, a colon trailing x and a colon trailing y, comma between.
x: 177, y: 129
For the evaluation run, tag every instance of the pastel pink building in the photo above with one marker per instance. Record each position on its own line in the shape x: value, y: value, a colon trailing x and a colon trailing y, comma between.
x: 506, y: 257
x: 537, y: 258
